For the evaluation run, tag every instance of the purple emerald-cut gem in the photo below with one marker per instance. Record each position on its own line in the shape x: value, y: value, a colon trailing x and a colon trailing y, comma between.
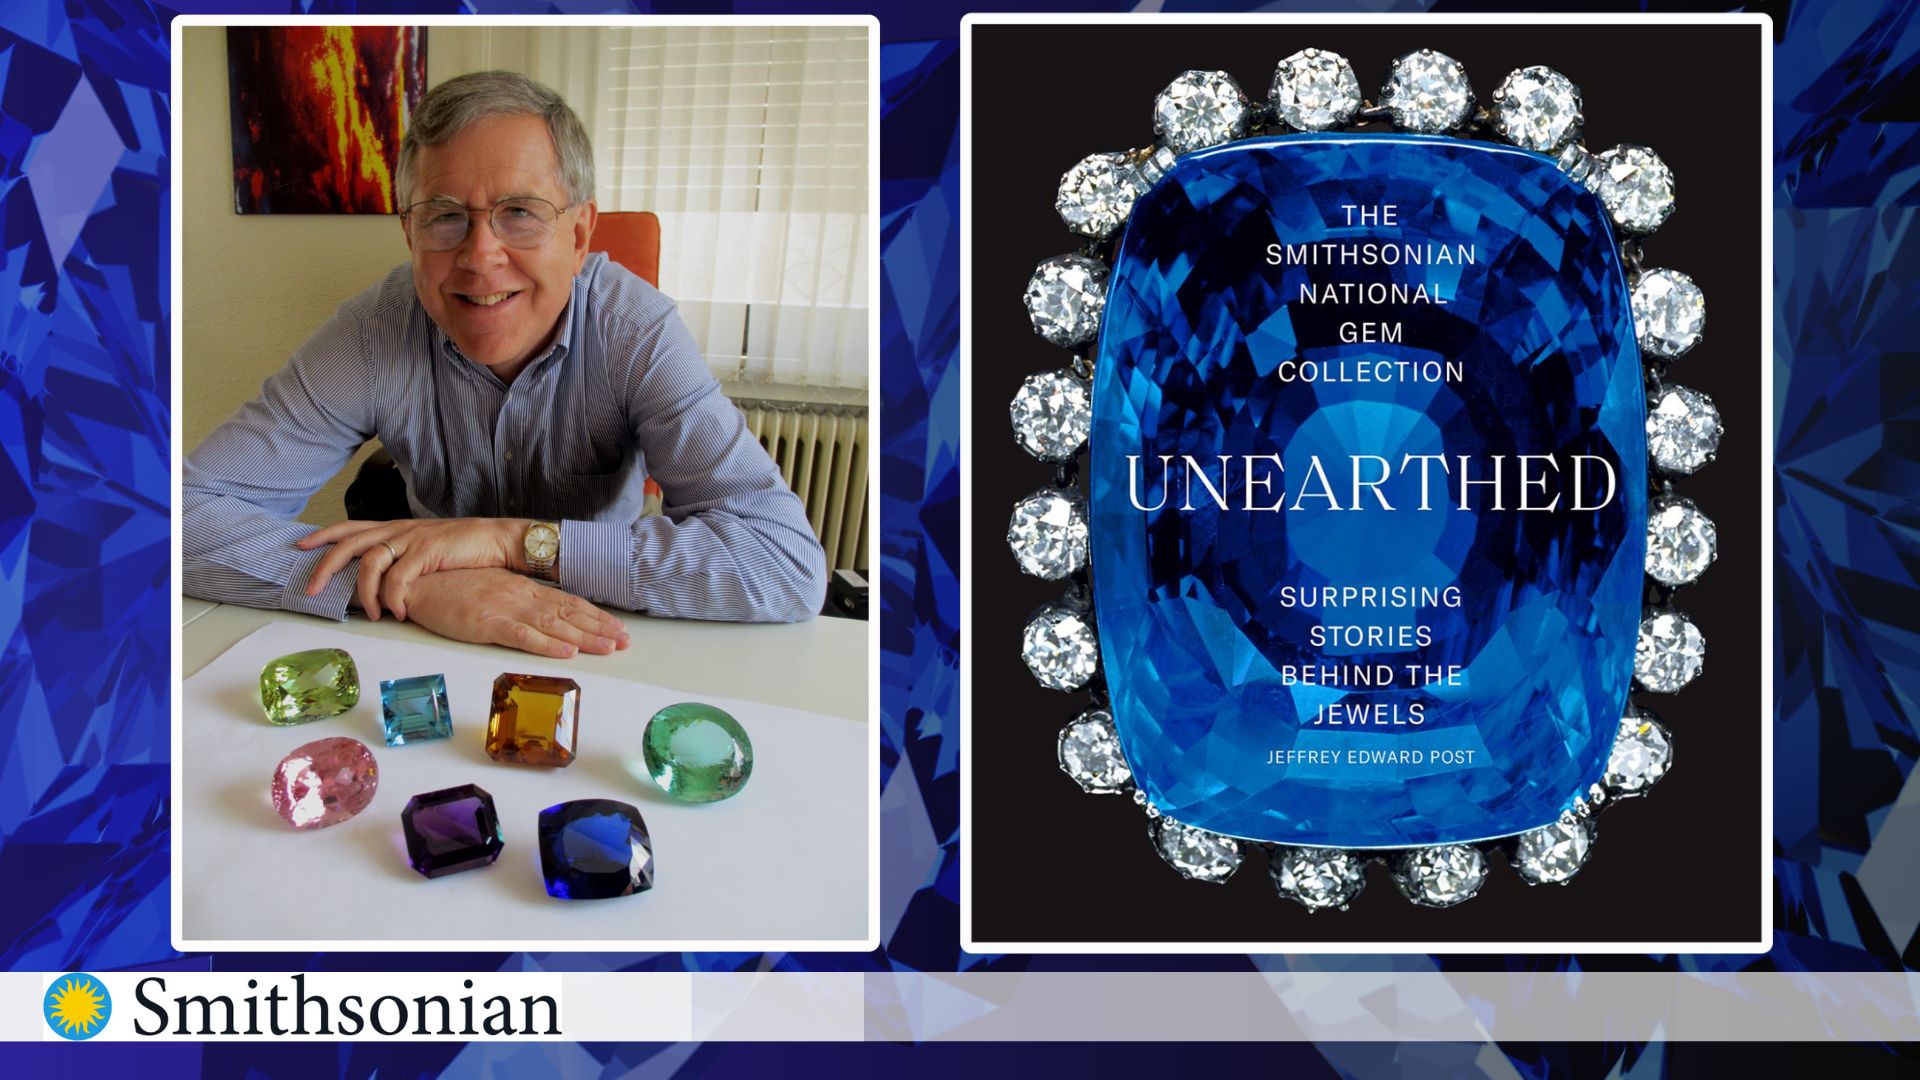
x: 451, y: 830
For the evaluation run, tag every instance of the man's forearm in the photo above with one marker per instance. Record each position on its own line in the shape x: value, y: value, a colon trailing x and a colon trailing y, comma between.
x: 246, y: 481
x: 758, y: 566
x: 708, y: 566
x: 234, y: 553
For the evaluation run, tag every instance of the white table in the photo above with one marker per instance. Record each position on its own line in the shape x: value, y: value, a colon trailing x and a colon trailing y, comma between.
x: 745, y: 874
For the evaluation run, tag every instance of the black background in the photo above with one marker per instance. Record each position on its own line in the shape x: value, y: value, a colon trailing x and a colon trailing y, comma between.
x: 1053, y: 864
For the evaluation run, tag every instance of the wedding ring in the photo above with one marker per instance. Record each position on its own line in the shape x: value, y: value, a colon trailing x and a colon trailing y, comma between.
x: 390, y: 551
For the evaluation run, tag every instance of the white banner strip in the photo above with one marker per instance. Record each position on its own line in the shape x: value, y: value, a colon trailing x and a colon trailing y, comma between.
x: 910, y: 1007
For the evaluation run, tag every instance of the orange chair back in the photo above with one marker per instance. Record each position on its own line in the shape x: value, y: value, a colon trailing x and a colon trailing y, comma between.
x: 632, y: 239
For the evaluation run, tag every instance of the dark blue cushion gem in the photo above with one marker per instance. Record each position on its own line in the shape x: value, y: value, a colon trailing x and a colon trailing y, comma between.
x: 591, y: 849
x: 1258, y: 689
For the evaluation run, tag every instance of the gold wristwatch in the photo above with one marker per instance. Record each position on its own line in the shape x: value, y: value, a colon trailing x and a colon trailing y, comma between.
x: 542, y: 548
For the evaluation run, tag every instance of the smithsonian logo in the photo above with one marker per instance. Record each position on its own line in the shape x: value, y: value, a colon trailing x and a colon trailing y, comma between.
x: 77, y: 1006
x: 237, y: 1005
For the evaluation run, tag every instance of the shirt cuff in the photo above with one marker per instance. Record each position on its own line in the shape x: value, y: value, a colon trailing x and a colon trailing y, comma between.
x: 332, y: 601
x: 594, y: 558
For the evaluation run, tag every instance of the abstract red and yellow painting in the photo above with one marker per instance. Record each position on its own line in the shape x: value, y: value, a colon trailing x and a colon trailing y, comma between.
x: 318, y: 112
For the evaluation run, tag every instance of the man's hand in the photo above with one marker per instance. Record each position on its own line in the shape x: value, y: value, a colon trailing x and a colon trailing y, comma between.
x: 499, y: 607
x: 394, y: 554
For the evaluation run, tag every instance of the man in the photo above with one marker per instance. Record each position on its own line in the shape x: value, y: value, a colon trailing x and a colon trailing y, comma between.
x: 526, y: 390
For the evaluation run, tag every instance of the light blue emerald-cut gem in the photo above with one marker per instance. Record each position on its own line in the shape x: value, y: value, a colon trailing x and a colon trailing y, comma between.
x: 1206, y: 641
x: 415, y: 709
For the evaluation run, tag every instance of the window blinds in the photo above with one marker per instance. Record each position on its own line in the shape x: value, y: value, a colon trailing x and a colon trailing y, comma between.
x: 750, y: 143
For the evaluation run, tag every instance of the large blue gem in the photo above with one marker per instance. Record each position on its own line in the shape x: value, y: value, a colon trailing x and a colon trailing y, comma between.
x: 1477, y: 691
x: 592, y: 849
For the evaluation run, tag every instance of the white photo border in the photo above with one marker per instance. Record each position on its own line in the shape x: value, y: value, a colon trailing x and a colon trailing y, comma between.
x: 178, y: 826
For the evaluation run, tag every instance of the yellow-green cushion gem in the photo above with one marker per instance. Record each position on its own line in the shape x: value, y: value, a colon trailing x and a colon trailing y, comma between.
x: 311, y: 685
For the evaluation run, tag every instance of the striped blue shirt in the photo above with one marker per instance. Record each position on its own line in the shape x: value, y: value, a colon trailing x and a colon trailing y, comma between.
x: 621, y: 394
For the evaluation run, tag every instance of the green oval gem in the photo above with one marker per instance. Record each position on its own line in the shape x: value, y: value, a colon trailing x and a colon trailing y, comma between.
x: 697, y: 753
x: 311, y: 685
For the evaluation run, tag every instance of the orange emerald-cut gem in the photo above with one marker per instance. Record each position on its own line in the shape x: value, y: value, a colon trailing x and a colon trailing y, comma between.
x: 535, y: 720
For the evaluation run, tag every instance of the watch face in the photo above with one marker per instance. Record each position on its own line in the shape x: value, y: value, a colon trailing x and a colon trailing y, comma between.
x: 542, y: 543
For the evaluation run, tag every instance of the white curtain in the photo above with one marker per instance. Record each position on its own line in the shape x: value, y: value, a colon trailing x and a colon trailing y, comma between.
x: 751, y: 144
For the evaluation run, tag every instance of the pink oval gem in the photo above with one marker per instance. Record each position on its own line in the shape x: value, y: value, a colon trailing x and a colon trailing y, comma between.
x: 324, y: 782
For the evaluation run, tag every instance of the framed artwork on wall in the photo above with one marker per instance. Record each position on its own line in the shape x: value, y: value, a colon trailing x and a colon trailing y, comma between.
x: 318, y: 112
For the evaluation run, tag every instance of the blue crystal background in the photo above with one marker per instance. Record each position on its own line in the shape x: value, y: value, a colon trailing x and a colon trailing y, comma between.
x: 84, y: 397
x: 1194, y: 631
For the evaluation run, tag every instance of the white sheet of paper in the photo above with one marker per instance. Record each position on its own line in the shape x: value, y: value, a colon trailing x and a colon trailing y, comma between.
x: 785, y: 860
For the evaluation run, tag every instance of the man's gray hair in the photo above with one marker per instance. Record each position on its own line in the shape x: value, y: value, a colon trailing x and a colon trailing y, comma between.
x: 460, y: 102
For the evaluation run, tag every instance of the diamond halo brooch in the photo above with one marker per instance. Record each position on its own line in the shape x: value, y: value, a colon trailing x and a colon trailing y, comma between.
x: 1379, y: 538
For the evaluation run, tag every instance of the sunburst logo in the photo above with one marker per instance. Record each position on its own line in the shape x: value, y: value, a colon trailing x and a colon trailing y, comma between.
x: 77, y: 1006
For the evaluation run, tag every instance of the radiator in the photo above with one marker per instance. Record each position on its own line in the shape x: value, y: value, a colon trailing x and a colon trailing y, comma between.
x: 822, y: 454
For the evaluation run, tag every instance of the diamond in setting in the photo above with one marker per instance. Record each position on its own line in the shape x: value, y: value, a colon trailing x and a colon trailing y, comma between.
x: 1060, y: 649
x: 1064, y: 299
x: 1552, y: 854
x: 1681, y: 541
x: 1427, y: 93
x: 1200, y: 109
x: 1140, y: 800
x: 1635, y: 186
x: 1683, y: 430
x: 1090, y: 753
x: 1048, y: 534
x: 1642, y: 753
x: 1574, y: 160
x: 1538, y: 108
x: 1097, y: 194
x: 1315, y: 90
x: 1196, y: 853
x: 1152, y: 168
x: 1669, y: 312
x: 1441, y: 876
x: 1670, y: 652
x: 1052, y: 413
x: 1317, y: 878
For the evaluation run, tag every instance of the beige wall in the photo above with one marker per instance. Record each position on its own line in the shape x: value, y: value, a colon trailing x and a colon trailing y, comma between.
x: 255, y: 286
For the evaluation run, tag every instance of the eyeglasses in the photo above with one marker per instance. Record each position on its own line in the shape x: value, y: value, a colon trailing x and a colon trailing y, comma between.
x: 519, y: 222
